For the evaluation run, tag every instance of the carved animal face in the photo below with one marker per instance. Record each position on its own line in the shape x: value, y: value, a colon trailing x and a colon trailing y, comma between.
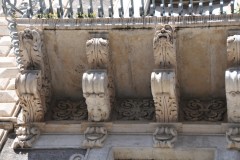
x: 27, y: 34
x: 98, y: 108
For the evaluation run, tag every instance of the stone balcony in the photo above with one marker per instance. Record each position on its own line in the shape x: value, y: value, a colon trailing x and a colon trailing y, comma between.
x: 117, y: 87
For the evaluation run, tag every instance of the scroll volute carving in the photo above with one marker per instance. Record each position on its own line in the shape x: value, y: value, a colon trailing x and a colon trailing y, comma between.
x: 233, y: 51
x: 164, y: 47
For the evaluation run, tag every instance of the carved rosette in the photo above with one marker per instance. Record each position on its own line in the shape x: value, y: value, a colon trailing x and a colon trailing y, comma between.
x: 99, y: 101
x: 163, y: 80
x: 94, y: 137
x: 164, y: 137
x: 26, y: 135
x: 33, y: 83
x: 95, y: 90
x: 164, y: 95
x: 233, y: 138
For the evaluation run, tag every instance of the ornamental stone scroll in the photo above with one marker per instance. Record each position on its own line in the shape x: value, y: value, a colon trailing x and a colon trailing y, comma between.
x: 163, y: 79
x: 232, y: 78
x: 98, y: 83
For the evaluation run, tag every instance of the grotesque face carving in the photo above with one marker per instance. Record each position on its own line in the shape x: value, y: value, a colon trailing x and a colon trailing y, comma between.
x: 163, y: 47
x: 233, y: 43
x: 98, y: 108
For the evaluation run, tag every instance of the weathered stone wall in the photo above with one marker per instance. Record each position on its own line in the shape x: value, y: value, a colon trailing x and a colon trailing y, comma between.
x: 201, y: 58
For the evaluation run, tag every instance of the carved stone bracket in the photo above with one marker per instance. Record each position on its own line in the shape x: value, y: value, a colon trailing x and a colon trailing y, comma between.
x: 233, y: 138
x: 98, y: 83
x: 26, y: 136
x: 96, y: 92
x: 164, y: 48
x: 163, y: 85
x: 164, y: 137
x: 94, y: 137
x: 232, y: 80
x: 33, y: 84
x: 163, y: 80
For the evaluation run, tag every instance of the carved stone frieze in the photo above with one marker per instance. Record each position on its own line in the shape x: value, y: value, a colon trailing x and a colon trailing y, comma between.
x: 232, y: 81
x: 163, y: 86
x: 135, y: 109
x: 233, y: 51
x: 164, y: 48
x: 26, y: 135
x: 94, y: 137
x: 32, y: 103
x: 70, y: 110
x: 233, y: 138
x: 96, y: 91
x: 204, y: 110
x: 164, y: 137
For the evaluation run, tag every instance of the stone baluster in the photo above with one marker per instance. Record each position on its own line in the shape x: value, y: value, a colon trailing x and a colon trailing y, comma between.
x: 221, y: 6
x: 232, y: 6
x: 163, y: 79
x: 90, y: 8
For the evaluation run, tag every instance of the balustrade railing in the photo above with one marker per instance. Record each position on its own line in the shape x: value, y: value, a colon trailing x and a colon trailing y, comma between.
x: 117, y: 8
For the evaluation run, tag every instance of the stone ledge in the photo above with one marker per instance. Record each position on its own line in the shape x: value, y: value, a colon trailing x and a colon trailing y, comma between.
x: 4, y: 50
x: 8, y: 96
x: 8, y: 62
x: 3, y: 83
x: 7, y: 109
x: 9, y: 72
x: 5, y: 41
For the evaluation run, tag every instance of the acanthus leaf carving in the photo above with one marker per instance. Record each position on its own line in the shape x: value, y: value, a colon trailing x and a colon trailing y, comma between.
x: 164, y: 48
x: 233, y: 138
x: 94, y: 137
x: 31, y: 101
x: 33, y: 83
x: 97, y: 51
x: 163, y: 85
x: 96, y: 92
x: 164, y: 137
x: 233, y: 51
x: 26, y: 136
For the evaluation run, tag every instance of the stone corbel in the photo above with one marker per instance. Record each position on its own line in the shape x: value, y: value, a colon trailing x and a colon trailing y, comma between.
x: 163, y: 79
x: 98, y: 84
x: 28, y: 86
x: 163, y: 86
x: 26, y: 136
x: 94, y: 137
x: 232, y: 78
x: 233, y: 138
x: 96, y: 91
x: 232, y: 81
x: 164, y: 137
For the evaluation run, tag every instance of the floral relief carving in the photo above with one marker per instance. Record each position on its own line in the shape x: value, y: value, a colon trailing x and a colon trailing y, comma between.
x: 233, y: 51
x: 163, y: 85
